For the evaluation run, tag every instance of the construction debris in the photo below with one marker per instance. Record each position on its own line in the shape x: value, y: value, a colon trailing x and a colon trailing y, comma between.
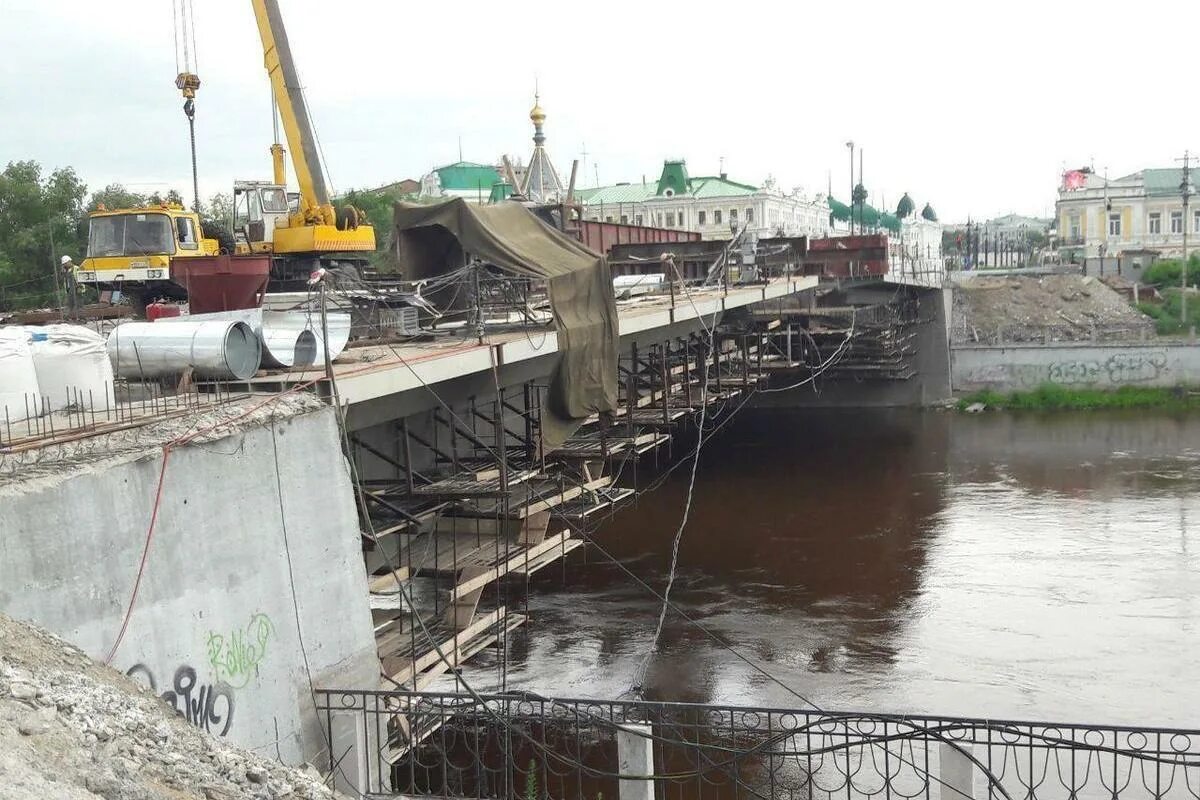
x: 1053, y: 308
x: 75, y: 729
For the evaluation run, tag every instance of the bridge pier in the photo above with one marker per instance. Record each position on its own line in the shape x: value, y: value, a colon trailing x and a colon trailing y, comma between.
x: 911, y: 367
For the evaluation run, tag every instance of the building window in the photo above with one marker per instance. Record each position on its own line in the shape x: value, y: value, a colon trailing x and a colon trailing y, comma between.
x: 1196, y: 222
x: 717, y: 217
x: 660, y: 219
x: 1114, y: 224
x: 749, y: 215
x: 1176, y: 222
x: 699, y: 217
x: 733, y: 216
x: 624, y: 219
x: 1076, y: 230
x: 637, y: 219
x: 608, y: 219
x: 1154, y: 225
x: 670, y: 219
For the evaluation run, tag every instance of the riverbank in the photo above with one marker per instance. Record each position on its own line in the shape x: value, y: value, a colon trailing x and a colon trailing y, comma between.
x: 1052, y: 397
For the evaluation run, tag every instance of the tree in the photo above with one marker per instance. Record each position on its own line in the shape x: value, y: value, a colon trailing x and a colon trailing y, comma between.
x: 220, y: 209
x: 115, y: 196
x: 378, y: 208
x: 860, y: 195
x: 39, y: 222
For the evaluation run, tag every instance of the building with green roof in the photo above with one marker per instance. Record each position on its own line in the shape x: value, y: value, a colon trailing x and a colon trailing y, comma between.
x: 1141, y: 213
x: 712, y: 205
x: 466, y: 179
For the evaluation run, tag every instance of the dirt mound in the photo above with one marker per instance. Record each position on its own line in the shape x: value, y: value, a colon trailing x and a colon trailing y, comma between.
x: 1052, y: 308
x: 75, y: 729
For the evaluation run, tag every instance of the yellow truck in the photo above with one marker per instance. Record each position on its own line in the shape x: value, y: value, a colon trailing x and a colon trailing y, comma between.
x: 130, y: 250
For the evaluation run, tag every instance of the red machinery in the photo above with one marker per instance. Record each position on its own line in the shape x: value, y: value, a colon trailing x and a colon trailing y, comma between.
x: 222, y: 282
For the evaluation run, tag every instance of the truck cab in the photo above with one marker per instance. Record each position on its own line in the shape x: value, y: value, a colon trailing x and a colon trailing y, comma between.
x: 259, y: 207
x: 130, y: 249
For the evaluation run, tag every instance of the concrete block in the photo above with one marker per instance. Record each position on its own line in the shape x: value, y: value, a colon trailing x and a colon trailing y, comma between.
x: 635, y: 756
x: 956, y: 771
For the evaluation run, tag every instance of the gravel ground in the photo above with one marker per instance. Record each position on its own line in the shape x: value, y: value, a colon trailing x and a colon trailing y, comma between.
x: 1055, y: 308
x: 74, y: 729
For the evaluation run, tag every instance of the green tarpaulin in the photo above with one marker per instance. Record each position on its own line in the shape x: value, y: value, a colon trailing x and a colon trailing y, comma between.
x: 431, y: 240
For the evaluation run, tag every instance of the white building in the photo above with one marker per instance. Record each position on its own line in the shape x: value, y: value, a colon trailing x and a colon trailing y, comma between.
x: 710, y: 205
x: 916, y: 249
x: 1141, y: 212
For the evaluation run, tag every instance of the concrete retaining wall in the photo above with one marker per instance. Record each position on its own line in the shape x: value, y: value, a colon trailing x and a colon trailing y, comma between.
x: 216, y: 627
x: 1107, y: 366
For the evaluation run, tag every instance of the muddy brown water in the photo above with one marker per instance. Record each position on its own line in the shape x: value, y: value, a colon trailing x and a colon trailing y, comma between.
x: 1034, y: 566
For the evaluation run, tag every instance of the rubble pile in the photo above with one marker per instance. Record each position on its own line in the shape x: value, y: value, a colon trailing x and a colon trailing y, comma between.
x: 1052, y: 308
x: 74, y: 729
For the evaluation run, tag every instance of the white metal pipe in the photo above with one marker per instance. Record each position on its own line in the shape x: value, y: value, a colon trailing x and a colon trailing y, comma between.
x: 221, y: 349
x: 289, y: 338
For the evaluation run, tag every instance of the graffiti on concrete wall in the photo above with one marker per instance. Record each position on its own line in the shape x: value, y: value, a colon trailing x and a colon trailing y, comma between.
x: 1119, y: 369
x: 208, y: 707
x: 1136, y: 367
x: 235, y: 657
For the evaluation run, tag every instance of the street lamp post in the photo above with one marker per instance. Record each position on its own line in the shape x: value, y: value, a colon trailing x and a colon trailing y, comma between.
x: 850, y: 197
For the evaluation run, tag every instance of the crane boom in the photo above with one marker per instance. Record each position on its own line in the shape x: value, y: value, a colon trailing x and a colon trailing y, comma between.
x: 297, y: 127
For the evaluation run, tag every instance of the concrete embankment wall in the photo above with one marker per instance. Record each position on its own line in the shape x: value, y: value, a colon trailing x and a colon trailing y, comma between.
x: 240, y: 567
x: 1101, y: 366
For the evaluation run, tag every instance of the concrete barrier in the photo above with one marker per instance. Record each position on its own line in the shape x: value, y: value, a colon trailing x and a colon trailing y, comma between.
x: 252, y: 586
x: 1021, y: 367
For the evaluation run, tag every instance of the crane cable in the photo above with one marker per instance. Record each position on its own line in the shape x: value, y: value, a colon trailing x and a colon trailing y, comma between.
x: 185, y: 33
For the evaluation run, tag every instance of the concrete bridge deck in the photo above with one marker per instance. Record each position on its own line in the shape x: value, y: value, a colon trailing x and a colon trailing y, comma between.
x: 379, y: 370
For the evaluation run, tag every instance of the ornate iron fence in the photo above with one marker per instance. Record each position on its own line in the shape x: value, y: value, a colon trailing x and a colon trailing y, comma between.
x: 520, y: 745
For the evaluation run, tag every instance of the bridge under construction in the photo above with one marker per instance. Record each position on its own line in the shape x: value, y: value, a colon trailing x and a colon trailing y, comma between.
x: 370, y: 515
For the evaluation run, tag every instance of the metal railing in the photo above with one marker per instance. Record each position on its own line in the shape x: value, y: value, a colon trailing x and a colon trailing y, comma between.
x: 524, y: 746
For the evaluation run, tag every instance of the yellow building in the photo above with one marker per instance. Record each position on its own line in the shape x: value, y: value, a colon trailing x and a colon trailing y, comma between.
x: 1142, y: 212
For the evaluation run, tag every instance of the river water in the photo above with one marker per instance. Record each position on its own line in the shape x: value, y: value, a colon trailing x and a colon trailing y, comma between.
x: 1014, y: 566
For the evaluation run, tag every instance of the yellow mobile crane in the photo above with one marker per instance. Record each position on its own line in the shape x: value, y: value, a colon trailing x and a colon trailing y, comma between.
x: 131, y: 249
x: 303, y: 232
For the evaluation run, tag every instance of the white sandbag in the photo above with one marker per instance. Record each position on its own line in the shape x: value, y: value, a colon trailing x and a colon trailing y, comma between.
x: 19, y: 395
x: 72, y: 367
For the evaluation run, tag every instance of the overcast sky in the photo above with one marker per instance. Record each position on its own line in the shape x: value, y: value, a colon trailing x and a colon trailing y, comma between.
x: 974, y: 107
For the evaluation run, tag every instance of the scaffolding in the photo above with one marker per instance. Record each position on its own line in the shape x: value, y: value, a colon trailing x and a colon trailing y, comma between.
x: 473, y: 503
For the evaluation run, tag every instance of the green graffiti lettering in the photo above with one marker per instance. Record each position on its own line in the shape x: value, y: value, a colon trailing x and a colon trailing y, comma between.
x: 235, y: 658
